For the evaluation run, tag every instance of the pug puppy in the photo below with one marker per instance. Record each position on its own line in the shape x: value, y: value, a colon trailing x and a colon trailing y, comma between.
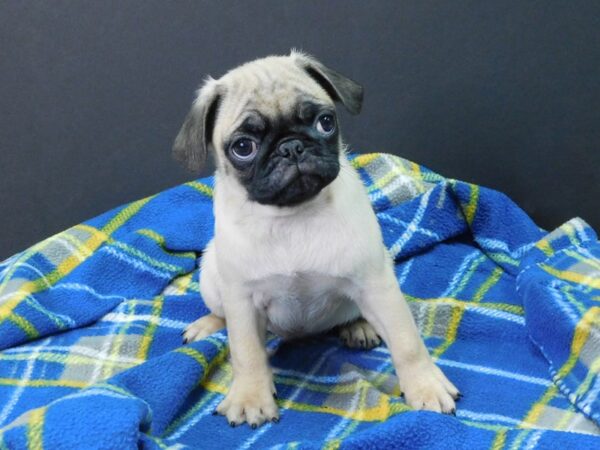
x: 297, y: 248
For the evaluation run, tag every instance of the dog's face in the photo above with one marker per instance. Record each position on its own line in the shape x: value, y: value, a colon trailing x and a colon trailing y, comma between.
x: 272, y: 125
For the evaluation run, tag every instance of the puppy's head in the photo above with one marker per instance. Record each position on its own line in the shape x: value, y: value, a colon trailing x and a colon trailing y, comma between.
x: 272, y: 125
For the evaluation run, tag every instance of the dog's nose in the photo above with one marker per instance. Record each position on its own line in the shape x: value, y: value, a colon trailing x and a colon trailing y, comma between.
x: 292, y: 147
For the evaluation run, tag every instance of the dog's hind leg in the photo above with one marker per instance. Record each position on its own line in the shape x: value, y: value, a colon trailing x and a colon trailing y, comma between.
x: 209, y: 289
x: 203, y: 327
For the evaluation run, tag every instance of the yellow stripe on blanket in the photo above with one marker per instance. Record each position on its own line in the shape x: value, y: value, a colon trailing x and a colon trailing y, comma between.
x: 582, y: 331
x: 43, y: 383
x: 586, y: 280
x: 35, y: 429
x: 201, y: 187
x: 65, y: 267
x: 364, y: 160
x: 149, y: 333
x: 471, y: 208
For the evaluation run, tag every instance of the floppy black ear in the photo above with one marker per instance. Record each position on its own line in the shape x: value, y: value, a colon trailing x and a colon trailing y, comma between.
x: 195, y: 137
x: 339, y: 87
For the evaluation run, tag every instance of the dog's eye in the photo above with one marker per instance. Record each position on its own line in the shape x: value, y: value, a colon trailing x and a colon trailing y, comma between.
x: 244, y: 149
x: 325, y: 124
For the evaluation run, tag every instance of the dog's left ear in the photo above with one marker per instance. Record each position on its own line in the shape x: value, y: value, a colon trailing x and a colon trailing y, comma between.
x: 339, y: 87
x: 194, y: 140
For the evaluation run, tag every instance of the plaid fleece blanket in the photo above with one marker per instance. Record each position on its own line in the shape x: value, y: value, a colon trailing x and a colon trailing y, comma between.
x: 91, y: 352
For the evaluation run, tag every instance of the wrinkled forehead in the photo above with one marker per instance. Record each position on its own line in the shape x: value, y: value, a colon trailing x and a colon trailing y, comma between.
x: 273, y: 90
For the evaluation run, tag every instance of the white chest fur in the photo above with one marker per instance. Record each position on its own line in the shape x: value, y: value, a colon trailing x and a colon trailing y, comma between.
x: 303, y: 303
x: 300, y: 266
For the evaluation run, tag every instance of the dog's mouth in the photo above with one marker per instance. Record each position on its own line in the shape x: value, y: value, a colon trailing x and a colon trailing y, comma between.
x: 299, y: 187
x: 293, y: 182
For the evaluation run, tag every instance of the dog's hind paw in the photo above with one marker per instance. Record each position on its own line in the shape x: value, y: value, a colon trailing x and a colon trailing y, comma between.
x: 203, y: 327
x: 359, y: 334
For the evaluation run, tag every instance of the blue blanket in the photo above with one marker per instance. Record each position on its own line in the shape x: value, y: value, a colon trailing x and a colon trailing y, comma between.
x: 91, y: 353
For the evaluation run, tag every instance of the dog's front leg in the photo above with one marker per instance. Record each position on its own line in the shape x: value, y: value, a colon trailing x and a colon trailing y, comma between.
x: 424, y: 385
x: 251, y: 394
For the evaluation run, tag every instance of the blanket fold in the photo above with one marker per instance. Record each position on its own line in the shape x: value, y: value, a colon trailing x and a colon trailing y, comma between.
x: 90, y: 324
x: 559, y: 284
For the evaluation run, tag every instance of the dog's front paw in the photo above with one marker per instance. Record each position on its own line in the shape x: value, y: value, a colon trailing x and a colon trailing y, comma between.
x: 426, y: 387
x: 249, y: 401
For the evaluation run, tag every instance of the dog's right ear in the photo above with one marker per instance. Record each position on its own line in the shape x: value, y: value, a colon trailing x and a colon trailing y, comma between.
x: 339, y: 87
x: 195, y: 137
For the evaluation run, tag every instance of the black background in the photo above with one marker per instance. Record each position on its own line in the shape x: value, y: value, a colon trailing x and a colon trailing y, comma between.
x: 504, y: 94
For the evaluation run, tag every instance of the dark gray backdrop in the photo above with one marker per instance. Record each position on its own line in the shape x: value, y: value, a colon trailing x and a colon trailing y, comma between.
x: 505, y: 94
